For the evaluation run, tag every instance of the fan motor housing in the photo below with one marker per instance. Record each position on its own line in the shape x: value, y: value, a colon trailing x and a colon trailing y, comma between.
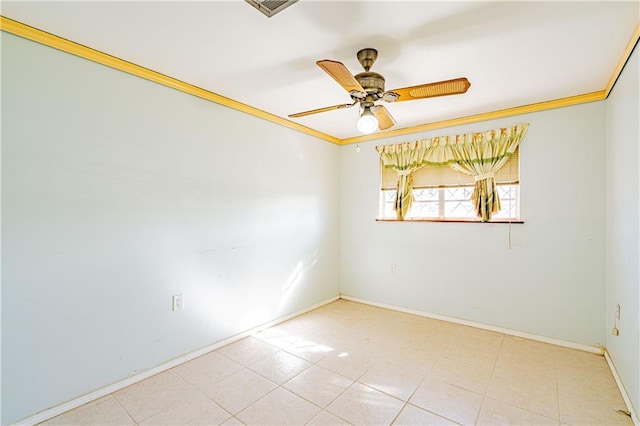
x: 372, y: 82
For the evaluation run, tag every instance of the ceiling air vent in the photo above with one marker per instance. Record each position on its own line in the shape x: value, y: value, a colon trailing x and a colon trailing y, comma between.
x: 270, y: 7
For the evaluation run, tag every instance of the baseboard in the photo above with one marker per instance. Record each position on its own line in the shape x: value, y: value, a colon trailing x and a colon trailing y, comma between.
x: 558, y: 342
x: 77, y: 402
x: 623, y: 391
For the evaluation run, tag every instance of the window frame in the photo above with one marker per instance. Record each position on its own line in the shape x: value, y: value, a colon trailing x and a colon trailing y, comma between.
x: 516, y: 218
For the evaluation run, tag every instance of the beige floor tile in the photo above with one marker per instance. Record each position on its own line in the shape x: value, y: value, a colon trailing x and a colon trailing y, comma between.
x: 536, y: 393
x: 494, y: 412
x: 280, y: 366
x: 307, y: 328
x: 363, y: 405
x: 439, y: 331
x: 279, y: 407
x: 528, y: 375
x: 318, y: 385
x: 207, y: 369
x: 393, y: 379
x: 198, y: 410
x: 274, y: 336
x: 591, y: 383
x: 596, y: 390
x: 449, y: 401
x: 434, y: 345
x: 310, y: 350
x: 414, y: 416
x: 573, y: 358
x: 472, y: 377
x: 580, y: 411
x: 247, y: 351
x: 348, y: 364
x: 407, y: 354
x: 478, y: 347
x: 150, y: 396
x: 535, y: 368
x: 324, y: 418
x: 104, y: 411
x: 516, y: 350
x: 237, y: 392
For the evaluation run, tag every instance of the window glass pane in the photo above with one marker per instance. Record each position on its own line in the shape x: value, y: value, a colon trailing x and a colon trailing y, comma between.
x: 506, y: 210
x: 426, y: 194
x: 457, y: 194
x: 506, y: 191
x: 389, y: 197
x: 508, y: 202
x: 424, y: 209
x: 457, y: 204
x: 459, y: 209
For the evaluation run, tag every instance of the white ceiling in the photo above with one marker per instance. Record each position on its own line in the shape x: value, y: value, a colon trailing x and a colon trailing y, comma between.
x: 513, y: 53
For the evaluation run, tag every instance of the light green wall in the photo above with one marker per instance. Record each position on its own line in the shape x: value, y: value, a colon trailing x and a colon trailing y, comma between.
x: 623, y: 220
x: 118, y: 193
x: 551, y: 283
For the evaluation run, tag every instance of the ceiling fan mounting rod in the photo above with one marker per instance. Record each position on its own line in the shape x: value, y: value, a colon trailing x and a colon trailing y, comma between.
x: 367, y: 57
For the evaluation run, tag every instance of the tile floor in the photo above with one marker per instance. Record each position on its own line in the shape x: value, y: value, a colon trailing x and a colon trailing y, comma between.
x: 349, y: 363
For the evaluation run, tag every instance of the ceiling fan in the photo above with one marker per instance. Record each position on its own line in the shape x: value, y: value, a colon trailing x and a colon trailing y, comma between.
x: 366, y: 88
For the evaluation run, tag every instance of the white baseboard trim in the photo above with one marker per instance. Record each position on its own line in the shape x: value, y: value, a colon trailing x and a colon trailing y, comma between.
x: 138, y: 377
x: 623, y: 391
x: 558, y: 342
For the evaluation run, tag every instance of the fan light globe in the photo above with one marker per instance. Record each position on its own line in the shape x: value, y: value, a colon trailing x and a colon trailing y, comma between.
x: 367, y: 123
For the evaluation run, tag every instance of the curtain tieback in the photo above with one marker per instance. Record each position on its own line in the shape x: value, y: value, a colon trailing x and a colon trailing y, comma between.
x: 484, y: 176
x: 404, y: 172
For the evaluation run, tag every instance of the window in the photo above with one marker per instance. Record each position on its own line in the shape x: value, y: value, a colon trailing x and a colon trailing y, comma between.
x: 441, y: 193
x: 452, y: 203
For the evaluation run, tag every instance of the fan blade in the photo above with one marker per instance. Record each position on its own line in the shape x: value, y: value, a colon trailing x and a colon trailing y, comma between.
x: 431, y: 90
x: 385, y: 120
x: 315, y: 111
x: 341, y: 74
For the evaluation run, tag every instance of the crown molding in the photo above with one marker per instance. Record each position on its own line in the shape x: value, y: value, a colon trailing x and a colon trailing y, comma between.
x: 42, y: 37
x: 623, y: 60
x: 524, y: 109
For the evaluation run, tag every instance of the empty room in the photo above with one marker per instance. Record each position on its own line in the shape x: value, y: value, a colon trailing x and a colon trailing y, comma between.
x: 320, y: 212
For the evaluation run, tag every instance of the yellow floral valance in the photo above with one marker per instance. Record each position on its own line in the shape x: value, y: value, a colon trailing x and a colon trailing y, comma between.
x: 480, y: 154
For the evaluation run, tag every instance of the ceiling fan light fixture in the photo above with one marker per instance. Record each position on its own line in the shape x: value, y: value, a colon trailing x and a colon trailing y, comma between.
x: 367, y: 123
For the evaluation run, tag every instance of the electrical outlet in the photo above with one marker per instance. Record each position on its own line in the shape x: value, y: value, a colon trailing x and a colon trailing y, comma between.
x: 618, y: 312
x: 176, y: 302
x: 393, y: 269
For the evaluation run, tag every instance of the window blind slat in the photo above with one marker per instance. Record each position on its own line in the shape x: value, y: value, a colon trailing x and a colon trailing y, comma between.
x: 443, y: 176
